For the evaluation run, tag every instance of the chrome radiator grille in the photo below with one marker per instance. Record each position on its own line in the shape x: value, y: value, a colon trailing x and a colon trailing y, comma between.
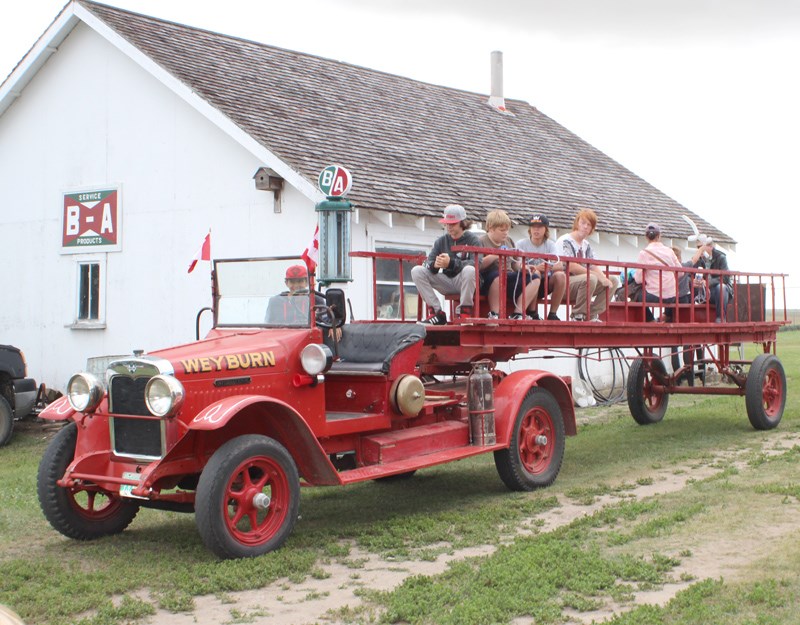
x: 126, y: 396
x: 132, y: 436
x: 139, y: 438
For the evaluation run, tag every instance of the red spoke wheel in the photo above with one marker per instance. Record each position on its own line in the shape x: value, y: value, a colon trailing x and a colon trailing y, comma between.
x: 248, y: 497
x: 765, y: 392
x: 647, y: 399
x: 82, y: 511
x: 533, y: 459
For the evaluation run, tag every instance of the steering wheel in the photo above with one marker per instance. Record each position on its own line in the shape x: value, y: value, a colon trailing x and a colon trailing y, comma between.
x: 329, y: 320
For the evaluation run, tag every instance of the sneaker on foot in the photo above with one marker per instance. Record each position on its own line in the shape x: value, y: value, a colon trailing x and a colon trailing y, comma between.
x: 464, y: 312
x: 436, y: 319
x: 492, y: 315
x: 553, y: 317
x: 578, y: 317
x: 596, y: 319
x: 520, y: 317
x: 534, y: 315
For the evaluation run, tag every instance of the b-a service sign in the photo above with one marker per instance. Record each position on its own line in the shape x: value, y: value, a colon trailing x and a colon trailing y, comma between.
x: 91, y: 221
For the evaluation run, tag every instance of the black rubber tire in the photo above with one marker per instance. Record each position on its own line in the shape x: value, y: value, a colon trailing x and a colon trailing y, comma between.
x: 528, y: 463
x: 229, y: 522
x: 646, y: 405
x: 84, y: 512
x: 765, y: 392
x: 6, y: 421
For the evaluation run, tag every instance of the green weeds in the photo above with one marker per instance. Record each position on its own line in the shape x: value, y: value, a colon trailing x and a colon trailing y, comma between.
x: 607, y: 556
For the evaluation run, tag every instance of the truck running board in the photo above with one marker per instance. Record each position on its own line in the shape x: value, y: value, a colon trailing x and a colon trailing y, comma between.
x: 406, y: 450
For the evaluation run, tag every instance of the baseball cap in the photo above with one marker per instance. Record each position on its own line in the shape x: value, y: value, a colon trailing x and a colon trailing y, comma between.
x: 653, y: 227
x: 453, y: 214
x: 296, y: 272
x: 539, y: 220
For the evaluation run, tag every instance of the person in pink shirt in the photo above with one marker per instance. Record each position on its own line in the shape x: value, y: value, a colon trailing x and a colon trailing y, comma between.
x: 658, y: 284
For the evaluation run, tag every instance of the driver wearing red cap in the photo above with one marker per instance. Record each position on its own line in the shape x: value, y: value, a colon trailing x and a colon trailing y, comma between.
x: 287, y: 308
x: 297, y: 279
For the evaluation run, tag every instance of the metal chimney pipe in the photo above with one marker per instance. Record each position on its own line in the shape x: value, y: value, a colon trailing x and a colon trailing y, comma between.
x: 496, y: 99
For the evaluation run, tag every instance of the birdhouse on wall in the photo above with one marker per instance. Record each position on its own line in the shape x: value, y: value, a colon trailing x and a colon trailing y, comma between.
x: 268, y: 180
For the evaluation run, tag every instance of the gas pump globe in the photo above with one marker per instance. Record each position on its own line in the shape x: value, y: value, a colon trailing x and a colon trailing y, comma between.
x: 334, y: 226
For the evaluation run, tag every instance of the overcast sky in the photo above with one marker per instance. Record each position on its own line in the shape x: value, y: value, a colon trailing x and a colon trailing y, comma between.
x: 698, y: 97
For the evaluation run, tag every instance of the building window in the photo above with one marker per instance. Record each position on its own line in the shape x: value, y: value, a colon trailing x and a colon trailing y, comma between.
x: 387, y: 280
x: 90, y: 309
x: 89, y: 292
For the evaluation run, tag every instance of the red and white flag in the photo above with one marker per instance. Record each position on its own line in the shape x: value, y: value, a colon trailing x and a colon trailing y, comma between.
x: 204, y: 253
x: 311, y: 253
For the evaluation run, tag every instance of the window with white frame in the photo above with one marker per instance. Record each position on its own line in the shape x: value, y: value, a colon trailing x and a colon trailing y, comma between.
x: 90, y: 292
x: 387, y: 279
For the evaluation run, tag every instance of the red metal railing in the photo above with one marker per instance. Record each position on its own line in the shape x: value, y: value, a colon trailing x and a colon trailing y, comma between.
x: 751, y: 291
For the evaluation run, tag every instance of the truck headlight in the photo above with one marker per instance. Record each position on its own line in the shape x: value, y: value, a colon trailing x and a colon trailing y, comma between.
x: 316, y: 358
x: 163, y: 395
x: 85, y: 392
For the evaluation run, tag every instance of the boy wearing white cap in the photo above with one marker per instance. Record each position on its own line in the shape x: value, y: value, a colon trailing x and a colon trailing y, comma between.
x: 447, y: 271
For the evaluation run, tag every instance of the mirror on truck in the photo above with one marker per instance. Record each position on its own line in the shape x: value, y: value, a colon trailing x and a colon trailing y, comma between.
x: 336, y: 303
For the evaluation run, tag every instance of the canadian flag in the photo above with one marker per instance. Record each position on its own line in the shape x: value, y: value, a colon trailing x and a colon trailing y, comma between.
x: 311, y: 253
x: 204, y: 253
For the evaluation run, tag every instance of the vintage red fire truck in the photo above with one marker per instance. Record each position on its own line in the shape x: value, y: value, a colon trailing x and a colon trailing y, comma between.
x: 283, y: 392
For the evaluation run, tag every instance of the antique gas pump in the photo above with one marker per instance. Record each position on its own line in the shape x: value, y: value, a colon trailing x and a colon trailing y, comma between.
x: 334, y: 226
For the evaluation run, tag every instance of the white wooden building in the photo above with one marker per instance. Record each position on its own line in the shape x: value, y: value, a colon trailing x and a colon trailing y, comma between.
x: 147, y: 134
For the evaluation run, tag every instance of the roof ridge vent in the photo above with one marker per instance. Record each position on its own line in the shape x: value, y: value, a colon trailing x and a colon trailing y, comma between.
x: 496, y: 99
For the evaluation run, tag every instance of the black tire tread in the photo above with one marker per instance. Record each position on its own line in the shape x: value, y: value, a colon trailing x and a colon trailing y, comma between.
x: 54, y: 501
x: 507, y: 461
x: 210, y: 525
x: 639, y: 409
x: 753, y: 391
x: 6, y: 421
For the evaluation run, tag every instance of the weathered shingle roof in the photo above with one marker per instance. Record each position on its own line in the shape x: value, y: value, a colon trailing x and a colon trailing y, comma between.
x: 412, y: 147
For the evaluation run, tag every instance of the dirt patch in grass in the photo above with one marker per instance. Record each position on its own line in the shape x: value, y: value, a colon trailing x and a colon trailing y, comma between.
x: 338, y: 584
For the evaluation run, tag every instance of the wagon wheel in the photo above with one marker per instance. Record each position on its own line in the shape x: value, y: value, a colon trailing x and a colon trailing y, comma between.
x: 647, y: 403
x: 248, y: 497
x: 765, y: 392
x: 83, y: 511
x: 533, y: 458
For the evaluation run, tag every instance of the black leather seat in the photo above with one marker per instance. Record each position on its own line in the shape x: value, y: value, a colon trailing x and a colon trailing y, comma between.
x: 370, y: 347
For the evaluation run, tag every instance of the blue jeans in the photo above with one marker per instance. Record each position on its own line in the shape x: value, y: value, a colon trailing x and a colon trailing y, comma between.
x: 719, y: 297
x: 669, y: 313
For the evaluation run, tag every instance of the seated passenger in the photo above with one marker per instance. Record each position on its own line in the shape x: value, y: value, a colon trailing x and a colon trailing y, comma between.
x: 684, y: 297
x: 685, y: 279
x: 720, y: 290
x: 446, y: 271
x: 601, y: 286
x: 658, y: 284
x: 291, y: 307
x: 539, y: 241
x: 497, y: 226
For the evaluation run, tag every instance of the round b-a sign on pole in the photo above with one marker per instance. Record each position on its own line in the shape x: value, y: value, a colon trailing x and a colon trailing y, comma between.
x: 335, y: 181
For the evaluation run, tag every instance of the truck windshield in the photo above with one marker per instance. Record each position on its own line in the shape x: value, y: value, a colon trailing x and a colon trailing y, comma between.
x: 262, y: 292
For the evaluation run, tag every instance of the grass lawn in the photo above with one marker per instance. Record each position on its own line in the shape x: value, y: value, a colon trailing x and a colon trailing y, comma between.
x: 630, y: 546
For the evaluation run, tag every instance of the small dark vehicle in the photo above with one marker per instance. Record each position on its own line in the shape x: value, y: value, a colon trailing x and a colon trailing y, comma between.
x: 18, y: 393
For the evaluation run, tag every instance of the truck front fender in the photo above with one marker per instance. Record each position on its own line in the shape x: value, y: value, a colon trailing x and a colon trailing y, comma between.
x: 512, y: 390
x: 59, y: 410
x: 256, y: 414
